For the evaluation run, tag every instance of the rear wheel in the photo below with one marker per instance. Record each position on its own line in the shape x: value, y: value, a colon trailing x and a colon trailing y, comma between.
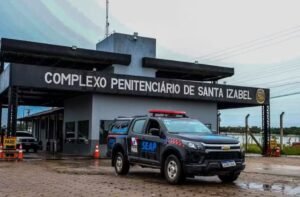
x: 173, y: 170
x: 229, y: 178
x: 121, y: 164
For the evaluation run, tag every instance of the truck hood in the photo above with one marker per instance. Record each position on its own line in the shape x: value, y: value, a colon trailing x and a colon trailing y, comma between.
x: 208, y: 138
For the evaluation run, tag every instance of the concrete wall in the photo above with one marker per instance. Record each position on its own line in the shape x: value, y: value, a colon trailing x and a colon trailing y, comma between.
x: 108, y: 107
x: 78, y: 109
x: 138, y: 48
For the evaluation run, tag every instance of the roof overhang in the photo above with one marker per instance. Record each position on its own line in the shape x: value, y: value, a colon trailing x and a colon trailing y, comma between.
x: 48, y: 112
x: 25, y: 52
x: 186, y: 70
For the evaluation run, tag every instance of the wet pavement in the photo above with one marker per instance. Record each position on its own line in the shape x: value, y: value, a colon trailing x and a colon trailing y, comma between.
x: 37, y: 177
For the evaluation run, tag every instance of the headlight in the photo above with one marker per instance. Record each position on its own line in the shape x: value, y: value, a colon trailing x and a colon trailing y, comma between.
x: 193, y: 145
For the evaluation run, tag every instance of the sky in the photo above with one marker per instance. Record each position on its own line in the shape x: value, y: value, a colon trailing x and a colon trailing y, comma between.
x: 259, y: 39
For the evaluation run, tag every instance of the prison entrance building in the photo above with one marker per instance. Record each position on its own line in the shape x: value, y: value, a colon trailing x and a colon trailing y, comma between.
x: 86, y: 89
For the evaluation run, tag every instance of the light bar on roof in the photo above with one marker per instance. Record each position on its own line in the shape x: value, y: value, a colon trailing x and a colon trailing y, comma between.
x: 167, y: 112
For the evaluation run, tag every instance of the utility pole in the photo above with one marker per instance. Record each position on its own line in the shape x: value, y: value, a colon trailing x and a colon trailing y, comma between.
x: 107, y: 22
x: 247, y: 131
x: 281, y: 131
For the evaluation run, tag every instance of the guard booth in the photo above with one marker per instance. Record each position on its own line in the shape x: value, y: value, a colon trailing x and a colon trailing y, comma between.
x: 47, y: 127
x: 122, y: 77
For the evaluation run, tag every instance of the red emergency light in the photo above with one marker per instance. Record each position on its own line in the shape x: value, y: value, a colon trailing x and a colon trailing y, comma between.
x: 167, y: 112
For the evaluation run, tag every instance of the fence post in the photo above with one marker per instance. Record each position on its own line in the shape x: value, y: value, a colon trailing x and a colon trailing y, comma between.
x: 281, y: 131
x: 247, y: 130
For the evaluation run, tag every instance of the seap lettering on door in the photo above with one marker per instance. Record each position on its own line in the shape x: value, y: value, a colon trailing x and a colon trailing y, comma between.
x: 149, y: 147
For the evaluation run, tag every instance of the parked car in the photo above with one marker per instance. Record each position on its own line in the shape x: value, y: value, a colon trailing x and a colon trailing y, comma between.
x: 27, y: 140
x: 177, y: 145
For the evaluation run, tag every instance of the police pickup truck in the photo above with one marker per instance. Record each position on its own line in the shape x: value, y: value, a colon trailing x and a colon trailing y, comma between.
x: 177, y: 145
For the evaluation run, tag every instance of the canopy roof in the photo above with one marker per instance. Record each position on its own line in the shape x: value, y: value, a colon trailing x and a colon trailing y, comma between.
x: 25, y: 52
x: 187, y: 70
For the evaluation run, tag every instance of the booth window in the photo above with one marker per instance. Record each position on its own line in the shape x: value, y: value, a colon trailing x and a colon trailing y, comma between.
x: 83, y: 132
x: 70, y: 132
x: 104, y: 129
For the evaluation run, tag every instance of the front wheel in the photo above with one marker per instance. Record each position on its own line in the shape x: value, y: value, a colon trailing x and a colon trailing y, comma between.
x: 121, y: 164
x: 173, y: 170
x: 229, y: 178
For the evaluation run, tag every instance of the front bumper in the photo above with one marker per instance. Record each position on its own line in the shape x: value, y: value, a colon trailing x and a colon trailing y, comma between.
x: 213, y: 167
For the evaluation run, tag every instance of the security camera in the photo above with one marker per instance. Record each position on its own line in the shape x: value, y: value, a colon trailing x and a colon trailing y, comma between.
x: 135, y: 35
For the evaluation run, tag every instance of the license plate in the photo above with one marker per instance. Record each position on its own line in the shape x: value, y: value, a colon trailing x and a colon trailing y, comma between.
x: 27, y: 144
x: 227, y: 164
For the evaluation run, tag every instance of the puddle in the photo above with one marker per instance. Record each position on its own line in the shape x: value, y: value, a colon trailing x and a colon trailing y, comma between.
x: 276, y: 187
x: 84, y: 167
x: 278, y: 167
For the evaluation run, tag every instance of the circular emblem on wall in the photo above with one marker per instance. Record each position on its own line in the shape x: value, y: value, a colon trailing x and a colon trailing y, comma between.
x: 260, y: 96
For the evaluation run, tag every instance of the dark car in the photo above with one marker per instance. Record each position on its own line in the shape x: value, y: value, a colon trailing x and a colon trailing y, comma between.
x: 27, y: 140
x: 177, y: 145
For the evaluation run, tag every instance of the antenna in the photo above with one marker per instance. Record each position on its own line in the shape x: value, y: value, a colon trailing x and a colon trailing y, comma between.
x: 107, y: 23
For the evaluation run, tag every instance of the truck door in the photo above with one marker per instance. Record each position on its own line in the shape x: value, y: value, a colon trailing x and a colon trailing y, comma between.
x: 150, y: 143
x: 136, y: 133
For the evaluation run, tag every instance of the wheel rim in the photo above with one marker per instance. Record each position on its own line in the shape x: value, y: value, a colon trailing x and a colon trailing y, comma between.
x: 119, y: 163
x: 172, y: 169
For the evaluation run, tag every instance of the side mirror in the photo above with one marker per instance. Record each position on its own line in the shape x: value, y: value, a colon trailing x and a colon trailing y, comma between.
x: 155, y: 131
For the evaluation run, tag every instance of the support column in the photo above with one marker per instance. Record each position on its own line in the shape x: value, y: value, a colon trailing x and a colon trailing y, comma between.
x: 0, y: 116
x: 1, y: 130
x: 1, y: 67
x: 12, y: 110
x: 266, y: 128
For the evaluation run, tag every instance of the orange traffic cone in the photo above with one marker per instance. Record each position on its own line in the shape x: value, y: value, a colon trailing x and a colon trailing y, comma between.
x: 20, y: 154
x: 1, y: 151
x: 97, y: 152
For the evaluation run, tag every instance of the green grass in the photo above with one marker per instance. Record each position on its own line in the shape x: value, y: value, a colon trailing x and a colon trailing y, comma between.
x: 253, y: 148
x: 291, y: 150
x: 287, y: 150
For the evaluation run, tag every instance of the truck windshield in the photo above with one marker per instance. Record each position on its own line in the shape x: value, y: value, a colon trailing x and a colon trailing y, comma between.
x: 23, y: 134
x: 185, y: 126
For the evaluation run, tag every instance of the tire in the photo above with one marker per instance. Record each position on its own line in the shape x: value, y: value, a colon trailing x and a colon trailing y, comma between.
x: 35, y: 150
x: 121, y: 164
x: 229, y: 178
x: 173, y: 170
x: 26, y: 150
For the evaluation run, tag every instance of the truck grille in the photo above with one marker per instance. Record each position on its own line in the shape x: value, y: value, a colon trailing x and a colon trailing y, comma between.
x: 223, y: 155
